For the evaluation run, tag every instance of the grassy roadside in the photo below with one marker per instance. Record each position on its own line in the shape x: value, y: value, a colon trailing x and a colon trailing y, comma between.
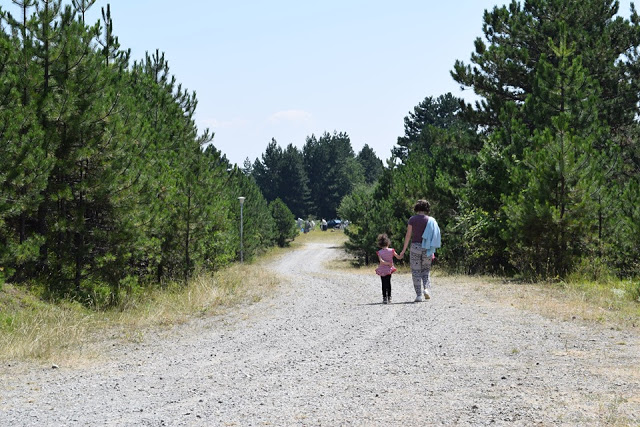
x: 68, y: 333
x: 611, y: 302
x: 572, y: 300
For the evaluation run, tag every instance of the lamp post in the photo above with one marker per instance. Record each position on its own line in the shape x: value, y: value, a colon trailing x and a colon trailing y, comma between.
x: 241, y: 229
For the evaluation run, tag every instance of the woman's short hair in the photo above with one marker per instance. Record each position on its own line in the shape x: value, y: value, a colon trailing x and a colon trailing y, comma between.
x: 422, y: 206
x: 383, y: 240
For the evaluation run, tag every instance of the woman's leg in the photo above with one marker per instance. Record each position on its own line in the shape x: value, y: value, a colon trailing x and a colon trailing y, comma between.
x: 415, y: 262
x: 426, y: 275
x: 420, y: 270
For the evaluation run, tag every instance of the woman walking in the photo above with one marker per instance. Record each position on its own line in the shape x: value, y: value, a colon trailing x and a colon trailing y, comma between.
x: 420, y: 257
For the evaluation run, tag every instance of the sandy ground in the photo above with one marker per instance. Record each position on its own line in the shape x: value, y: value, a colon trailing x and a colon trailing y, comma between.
x: 324, y: 351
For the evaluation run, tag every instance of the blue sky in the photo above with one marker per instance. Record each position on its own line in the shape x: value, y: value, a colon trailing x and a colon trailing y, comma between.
x: 286, y: 69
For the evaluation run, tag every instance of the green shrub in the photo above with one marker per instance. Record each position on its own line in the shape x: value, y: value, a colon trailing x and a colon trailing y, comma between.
x: 633, y: 289
x: 594, y: 270
x: 285, y: 225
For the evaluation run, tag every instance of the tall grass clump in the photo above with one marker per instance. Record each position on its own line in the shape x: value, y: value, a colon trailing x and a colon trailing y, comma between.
x: 595, y: 284
x: 63, y: 331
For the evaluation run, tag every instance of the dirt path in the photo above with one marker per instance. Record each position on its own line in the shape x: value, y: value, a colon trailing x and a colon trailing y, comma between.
x: 324, y: 351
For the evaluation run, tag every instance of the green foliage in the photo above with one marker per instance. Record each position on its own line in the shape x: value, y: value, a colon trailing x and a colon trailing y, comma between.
x: 438, y: 113
x: 281, y: 174
x: 313, y: 182
x: 372, y: 166
x: 332, y: 169
x: 437, y: 150
x: 258, y: 225
x: 549, y: 220
x: 106, y: 185
x: 359, y: 208
x: 516, y: 37
x: 633, y: 290
x: 473, y: 244
x: 285, y: 225
x: 559, y: 86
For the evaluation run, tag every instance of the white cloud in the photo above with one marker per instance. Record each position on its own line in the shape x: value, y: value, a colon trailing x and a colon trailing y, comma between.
x: 290, y: 116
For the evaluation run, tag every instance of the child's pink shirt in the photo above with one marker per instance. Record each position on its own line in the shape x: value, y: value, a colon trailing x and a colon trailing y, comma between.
x: 387, y: 256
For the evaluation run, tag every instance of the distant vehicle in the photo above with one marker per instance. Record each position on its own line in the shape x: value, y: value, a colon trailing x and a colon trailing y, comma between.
x: 334, y: 223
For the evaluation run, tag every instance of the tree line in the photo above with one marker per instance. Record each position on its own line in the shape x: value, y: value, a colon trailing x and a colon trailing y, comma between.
x: 106, y: 184
x: 541, y: 176
x: 313, y: 181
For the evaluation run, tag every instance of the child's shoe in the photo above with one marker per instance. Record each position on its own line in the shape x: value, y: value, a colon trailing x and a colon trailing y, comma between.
x: 389, y: 300
x: 385, y: 300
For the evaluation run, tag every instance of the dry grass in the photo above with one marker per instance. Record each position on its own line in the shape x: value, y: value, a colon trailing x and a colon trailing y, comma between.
x: 330, y: 236
x: 604, y: 302
x: 592, y: 303
x: 31, y: 329
x: 68, y: 332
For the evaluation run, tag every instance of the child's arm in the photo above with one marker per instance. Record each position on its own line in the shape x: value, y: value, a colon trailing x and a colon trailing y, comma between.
x: 395, y: 254
x: 382, y: 262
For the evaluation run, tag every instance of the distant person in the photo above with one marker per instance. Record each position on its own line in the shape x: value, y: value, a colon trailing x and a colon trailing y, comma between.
x: 420, y: 257
x: 323, y: 225
x: 386, y: 268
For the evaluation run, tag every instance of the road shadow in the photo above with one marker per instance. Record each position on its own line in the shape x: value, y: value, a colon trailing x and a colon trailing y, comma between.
x: 393, y: 303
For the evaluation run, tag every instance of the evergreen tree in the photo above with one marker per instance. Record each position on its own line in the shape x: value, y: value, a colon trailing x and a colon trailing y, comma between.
x: 549, y: 221
x: 439, y: 113
x: 281, y: 174
x: 517, y: 37
x: 294, y: 191
x: 267, y: 172
x: 24, y: 161
x: 259, y: 225
x: 284, y: 221
x: 545, y: 107
x: 247, y: 167
x: 371, y: 165
x: 359, y: 208
x: 105, y: 184
x: 332, y: 169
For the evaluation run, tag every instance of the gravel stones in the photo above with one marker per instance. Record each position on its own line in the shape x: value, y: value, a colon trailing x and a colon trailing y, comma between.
x: 324, y: 351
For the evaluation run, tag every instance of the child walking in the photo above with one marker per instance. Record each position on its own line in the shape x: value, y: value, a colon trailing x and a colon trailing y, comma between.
x: 386, y: 268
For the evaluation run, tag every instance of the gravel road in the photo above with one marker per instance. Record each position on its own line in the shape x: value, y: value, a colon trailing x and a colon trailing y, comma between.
x: 323, y: 351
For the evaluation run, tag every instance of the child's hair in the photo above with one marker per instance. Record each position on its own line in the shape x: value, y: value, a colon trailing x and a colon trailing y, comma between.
x: 383, y: 240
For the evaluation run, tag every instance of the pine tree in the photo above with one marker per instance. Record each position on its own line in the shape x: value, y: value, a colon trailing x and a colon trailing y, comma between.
x: 516, y: 37
x: 24, y: 164
x: 294, y: 191
x: 268, y: 171
x: 258, y: 225
x: 332, y: 169
x: 284, y: 222
x: 554, y: 122
x: 281, y: 174
x: 371, y: 165
x: 550, y: 220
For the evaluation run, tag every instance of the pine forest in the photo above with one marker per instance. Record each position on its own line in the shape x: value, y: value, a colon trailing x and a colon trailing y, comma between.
x: 107, y: 185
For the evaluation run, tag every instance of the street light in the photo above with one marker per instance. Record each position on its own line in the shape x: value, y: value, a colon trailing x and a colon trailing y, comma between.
x: 241, y: 229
